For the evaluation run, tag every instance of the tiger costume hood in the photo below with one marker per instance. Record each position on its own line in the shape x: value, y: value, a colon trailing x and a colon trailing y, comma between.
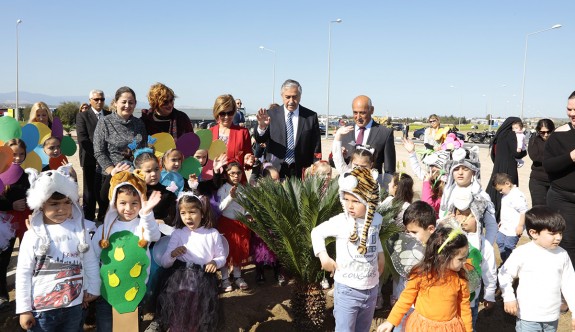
x: 362, y: 184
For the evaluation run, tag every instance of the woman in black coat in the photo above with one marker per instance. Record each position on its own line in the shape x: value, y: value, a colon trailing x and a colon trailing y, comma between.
x: 538, y: 179
x: 504, y: 153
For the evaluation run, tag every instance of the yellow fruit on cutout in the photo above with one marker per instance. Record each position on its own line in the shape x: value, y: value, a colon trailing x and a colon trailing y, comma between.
x: 131, y: 293
x: 136, y: 270
x: 113, y: 279
x: 119, y: 254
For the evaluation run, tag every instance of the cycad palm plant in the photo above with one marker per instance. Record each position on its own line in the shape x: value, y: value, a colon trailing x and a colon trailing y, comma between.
x: 283, y: 215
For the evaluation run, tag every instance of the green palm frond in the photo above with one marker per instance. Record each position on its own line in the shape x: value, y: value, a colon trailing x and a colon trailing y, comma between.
x: 283, y: 215
x: 388, y: 229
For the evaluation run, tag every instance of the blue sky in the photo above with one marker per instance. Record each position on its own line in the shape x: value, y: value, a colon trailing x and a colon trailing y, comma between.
x: 413, y: 58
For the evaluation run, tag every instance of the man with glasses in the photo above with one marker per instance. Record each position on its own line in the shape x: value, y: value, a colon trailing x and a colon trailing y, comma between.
x: 239, y: 117
x: 291, y: 133
x: 92, y: 174
x: 368, y: 132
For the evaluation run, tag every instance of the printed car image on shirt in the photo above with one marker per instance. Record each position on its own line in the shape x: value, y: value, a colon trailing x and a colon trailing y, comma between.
x: 69, y: 271
x: 62, y: 294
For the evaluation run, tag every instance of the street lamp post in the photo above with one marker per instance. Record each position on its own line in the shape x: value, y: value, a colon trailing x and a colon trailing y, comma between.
x: 17, y: 92
x: 328, y: 72
x: 556, y: 26
x: 274, y: 68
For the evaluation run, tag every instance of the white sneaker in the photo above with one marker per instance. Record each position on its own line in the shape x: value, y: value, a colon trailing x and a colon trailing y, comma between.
x: 227, y: 285
x: 240, y: 282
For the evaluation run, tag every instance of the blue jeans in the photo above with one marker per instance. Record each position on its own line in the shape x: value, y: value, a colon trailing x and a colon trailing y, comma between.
x: 527, y: 326
x: 61, y: 320
x: 353, y: 308
x: 103, y: 315
x: 474, y: 314
x: 506, y: 245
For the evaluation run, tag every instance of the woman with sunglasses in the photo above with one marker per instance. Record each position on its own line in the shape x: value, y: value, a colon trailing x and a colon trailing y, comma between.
x: 162, y: 117
x: 429, y: 134
x: 538, y: 179
x: 237, y: 139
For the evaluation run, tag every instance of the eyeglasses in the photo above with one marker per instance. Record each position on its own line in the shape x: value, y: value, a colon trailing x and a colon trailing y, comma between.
x: 544, y: 132
x: 223, y: 114
x: 98, y: 99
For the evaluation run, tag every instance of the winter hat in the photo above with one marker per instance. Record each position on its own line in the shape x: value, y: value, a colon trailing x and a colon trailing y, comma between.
x: 42, y: 187
x: 362, y: 184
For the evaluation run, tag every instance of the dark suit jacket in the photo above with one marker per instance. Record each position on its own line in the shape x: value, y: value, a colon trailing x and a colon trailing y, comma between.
x: 85, y: 125
x: 381, y: 139
x: 307, y: 142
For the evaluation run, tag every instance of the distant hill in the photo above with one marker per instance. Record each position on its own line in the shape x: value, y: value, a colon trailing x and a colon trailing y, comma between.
x: 8, y: 99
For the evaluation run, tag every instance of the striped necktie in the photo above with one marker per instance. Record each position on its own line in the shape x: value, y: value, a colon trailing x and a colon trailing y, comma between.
x: 290, y: 152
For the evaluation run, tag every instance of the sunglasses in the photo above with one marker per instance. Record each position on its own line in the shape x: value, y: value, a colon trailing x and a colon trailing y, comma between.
x: 432, y: 121
x: 544, y: 132
x: 98, y: 99
x: 223, y: 114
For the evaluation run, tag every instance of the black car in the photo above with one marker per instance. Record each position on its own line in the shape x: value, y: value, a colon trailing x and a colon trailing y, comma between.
x: 420, y: 134
x: 322, y: 128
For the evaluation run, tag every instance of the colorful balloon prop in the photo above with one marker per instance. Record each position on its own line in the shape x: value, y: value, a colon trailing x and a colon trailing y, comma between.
x: 39, y: 150
x: 57, y: 128
x: 68, y: 146
x: 57, y: 162
x: 10, y: 128
x: 216, y: 149
x: 6, y: 158
x: 30, y: 136
x: 188, y: 144
x: 164, y: 142
x: 205, y: 136
x: 44, y: 131
x: 12, y: 174
x: 190, y: 166
x: 208, y: 171
x: 32, y: 161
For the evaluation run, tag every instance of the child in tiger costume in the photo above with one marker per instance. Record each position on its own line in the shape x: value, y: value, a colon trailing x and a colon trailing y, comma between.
x: 360, y: 258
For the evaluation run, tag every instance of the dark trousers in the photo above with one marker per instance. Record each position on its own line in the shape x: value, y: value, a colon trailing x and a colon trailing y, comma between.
x: 564, y: 203
x: 287, y: 171
x: 104, y: 190
x: 4, y: 262
x: 92, y: 176
x: 538, y: 190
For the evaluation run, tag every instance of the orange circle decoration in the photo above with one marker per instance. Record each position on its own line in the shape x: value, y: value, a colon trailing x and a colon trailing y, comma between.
x: 58, y: 161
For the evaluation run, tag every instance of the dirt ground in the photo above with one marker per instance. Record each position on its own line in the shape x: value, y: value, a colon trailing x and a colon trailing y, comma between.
x: 266, y: 307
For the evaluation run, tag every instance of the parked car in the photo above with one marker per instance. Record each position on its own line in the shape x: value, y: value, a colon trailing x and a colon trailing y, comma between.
x: 322, y: 128
x: 397, y: 126
x: 207, y: 124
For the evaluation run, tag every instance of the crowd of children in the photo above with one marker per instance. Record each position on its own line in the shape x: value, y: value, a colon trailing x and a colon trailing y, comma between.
x: 444, y: 255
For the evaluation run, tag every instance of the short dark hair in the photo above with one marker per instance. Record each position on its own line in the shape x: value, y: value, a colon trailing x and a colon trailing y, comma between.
x: 57, y: 196
x: 122, y: 90
x: 420, y: 213
x: 541, y: 217
x: 500, y: 179
x: 572, y: 95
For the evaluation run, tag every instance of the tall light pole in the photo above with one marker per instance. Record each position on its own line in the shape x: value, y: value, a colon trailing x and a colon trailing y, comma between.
x: 328, y: 72
x: 274, y: 81
x: 17, y: 92
x: 556, y: 26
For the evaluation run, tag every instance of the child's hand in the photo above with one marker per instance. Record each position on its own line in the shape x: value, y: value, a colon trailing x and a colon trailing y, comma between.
x: 342, y: 131
x: 120, y: 167
x: 193, y: 181
x: 153, y: 200
x: 19, y: 205
x: 27, y: 320
x: 408, y: 145
x: 327, y: 263
x: 211, y: 267
x: 385, y: 327
x: 511, y: 308
x: 179, y: 251
x: 249, y: 160
x: 488, y: 304
x: 233, y: 191
x: 219, y: 162
x: 87, y: 299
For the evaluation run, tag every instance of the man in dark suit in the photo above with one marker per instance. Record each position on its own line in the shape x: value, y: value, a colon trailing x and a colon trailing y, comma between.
x: 85, y: 126
x: 376, y: 136
x: 239, y: 117
x: 291, y: 133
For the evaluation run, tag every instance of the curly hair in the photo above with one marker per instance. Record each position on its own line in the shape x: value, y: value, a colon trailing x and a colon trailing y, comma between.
x: 160, y: 94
